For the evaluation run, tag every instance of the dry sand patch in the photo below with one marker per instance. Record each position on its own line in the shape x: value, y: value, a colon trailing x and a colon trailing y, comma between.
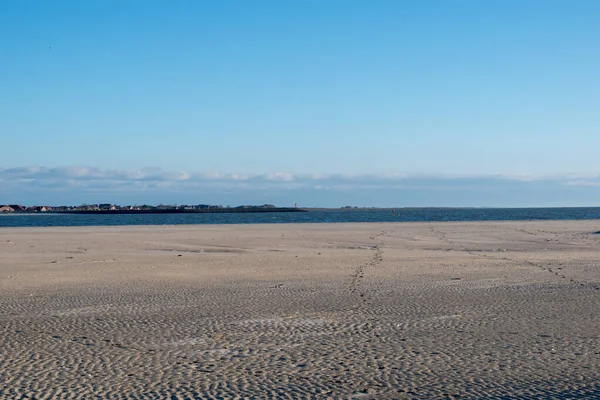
x: 409, y: 310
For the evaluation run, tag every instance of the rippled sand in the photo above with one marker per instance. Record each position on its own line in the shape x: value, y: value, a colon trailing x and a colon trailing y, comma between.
x: 382, y: 311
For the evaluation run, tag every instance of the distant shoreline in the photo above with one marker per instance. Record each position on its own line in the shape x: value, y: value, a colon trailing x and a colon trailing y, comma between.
x: 178, y: 211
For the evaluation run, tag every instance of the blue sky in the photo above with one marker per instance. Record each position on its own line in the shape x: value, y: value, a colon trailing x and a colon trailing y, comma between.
x: 328, y: 103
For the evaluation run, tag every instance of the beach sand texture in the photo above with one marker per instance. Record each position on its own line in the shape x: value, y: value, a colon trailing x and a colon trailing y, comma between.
x: 341, y: 311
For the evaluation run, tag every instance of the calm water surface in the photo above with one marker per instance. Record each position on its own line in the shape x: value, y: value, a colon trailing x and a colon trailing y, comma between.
x: 313, y: 216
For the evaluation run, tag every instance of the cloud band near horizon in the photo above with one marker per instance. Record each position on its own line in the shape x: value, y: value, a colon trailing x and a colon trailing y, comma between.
x: 383, y: 189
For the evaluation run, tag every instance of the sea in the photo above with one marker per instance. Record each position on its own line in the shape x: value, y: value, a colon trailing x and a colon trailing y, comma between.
x: 311, y: 216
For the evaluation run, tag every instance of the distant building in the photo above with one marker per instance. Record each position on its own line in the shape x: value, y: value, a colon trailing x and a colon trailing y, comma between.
x: 17, y: 207
x: 166, y: 207
x: 88, y: 207
x: 6, y: 209
x: 63, y: 208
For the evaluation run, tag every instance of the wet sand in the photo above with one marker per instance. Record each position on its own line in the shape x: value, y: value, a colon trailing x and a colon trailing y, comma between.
x: 341, y: 311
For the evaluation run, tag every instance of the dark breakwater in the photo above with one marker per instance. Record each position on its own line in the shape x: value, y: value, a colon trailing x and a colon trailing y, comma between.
x: 193, y: 211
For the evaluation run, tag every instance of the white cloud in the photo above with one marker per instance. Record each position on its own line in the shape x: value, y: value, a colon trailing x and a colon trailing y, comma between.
x: 393, y: 188
x: 82, y: 176
x: 280, y: 176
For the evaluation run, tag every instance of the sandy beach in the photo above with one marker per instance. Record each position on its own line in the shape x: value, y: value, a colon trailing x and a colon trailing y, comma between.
x: 340, y: 311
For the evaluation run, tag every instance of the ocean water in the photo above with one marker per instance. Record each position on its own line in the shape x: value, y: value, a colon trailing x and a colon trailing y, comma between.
x: 312, y: 216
